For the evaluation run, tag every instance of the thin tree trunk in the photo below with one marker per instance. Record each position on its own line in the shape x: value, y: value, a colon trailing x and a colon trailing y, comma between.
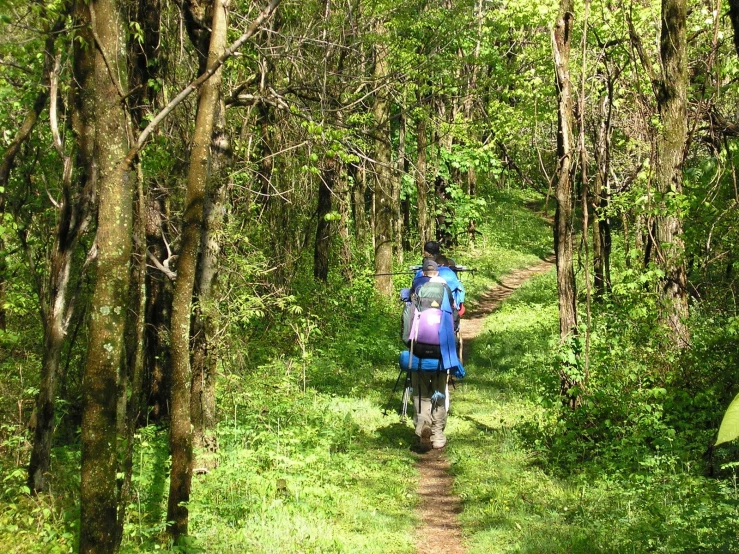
x: 672, y: 107
x: 424, y: 231
x: 131, y: 389
x: 345, y: 202
x: 180, y: 437
x: 53, y: 298
x: 158, y: 300
x: 398, y: 219
x: 384, y: 208
x: 322, y: 246
x: 563, y: 219
x: 266, y: 161
x: 358, y: 192
x: 601, y: 195
x: 734, y: 17
x: 98, y: 491
x: 205, y: 316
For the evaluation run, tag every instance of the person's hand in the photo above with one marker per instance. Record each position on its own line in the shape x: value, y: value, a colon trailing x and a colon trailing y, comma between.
x: 461, y: 310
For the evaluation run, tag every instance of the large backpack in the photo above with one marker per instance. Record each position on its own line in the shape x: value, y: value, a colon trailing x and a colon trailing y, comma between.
x: 422, y: 319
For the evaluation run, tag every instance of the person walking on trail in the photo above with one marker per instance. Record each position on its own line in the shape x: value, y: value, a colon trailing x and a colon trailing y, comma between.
x: 450, y: 276
x: 430, y: 391
x: 432, y: 249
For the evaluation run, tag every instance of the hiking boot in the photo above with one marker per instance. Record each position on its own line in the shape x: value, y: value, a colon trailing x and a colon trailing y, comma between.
x: 438, y: 444
x: 425, y: 442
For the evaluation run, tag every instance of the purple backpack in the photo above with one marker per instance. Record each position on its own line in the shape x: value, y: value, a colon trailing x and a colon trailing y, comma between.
x: 426, y: 325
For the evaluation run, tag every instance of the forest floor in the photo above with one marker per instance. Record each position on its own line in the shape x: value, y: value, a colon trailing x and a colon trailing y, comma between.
x: 439, y: 506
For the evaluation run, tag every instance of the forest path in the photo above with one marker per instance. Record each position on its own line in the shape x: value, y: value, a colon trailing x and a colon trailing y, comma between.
x: 439, y: 507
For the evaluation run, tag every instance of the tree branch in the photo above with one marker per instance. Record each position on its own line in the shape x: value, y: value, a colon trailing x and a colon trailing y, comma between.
x: 189, y: 89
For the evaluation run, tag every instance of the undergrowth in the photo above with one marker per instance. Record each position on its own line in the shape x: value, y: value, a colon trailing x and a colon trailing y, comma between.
x: 618, y: 475
x: 308, y: 462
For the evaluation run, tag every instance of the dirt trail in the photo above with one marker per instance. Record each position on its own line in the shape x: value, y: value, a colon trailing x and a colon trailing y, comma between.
x: 440, y: 530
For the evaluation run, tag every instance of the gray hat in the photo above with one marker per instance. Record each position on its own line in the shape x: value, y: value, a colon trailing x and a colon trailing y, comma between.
x: 430, y: 265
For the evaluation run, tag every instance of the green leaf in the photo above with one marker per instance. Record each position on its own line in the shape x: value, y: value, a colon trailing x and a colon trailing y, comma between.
x: 729, y: 429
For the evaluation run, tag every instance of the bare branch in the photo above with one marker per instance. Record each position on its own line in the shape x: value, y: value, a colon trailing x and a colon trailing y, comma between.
x: 189, y: 89
x: 168, y: 272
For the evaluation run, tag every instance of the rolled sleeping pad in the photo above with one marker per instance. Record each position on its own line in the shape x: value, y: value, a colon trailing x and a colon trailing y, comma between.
x: 427, y: 364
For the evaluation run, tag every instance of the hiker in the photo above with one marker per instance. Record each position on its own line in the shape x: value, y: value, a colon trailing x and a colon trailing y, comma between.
x: 431, y: 249
x: 428, y: 269
x: 450, y: 276
x: 433, y: 351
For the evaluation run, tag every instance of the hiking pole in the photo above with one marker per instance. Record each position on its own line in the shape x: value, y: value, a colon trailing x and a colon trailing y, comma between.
x: 394, y: 273
x: 404, y: 399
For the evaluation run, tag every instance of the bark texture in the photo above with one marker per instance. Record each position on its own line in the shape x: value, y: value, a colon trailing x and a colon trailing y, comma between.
x: 384, y: 209
x: 563, y: 219
x: 107, y: 319
x: 424, y: 232
x: 180, y: 439
x: 205, y: 328
x: 672, y: 106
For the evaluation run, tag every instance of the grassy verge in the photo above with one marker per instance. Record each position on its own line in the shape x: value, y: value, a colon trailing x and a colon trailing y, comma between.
x: 531, y: 484
x: 307, y: 461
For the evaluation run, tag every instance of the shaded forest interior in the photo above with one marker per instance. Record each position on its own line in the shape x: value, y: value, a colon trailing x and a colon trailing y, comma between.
x: 207, y: 210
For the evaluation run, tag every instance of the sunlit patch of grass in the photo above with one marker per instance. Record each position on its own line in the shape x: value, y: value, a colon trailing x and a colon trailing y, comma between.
x: 307, y: 472
x: 517, y: 498
x: 512, y: 237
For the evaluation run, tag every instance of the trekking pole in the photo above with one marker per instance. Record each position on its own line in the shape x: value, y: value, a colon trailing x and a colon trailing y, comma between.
x: 404, y: 399
x: 394, y: 273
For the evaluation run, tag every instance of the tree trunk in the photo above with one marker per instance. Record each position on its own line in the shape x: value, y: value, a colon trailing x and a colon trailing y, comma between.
x: 601, y: 195
x: 110, y: 298
x: 157, y: 372
x: 405, y: 204
x: 72, y: 222
x: 672, y: 107
x: 424, y: 230
x: 205, y: 321
x: 384, y: 208
x: 345, y: 202
x: 445, y: 142
x: 734, y: 16
x: 563, y: 219
x: 327, y: 182
x: 180, y: 437
x: 266, y: 161
x: 131, y: 389
x: 359, y: 204
x: 399, y: 219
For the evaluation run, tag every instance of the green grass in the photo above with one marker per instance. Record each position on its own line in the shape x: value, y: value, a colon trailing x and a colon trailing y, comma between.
x: 309, y: 464
x: 523, y: 492
x: 512, y: 236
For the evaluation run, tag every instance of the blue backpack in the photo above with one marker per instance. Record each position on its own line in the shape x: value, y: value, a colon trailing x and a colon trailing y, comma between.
x: 428, y: 324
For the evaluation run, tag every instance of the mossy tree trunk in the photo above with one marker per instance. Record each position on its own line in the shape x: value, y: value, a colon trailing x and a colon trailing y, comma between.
x: 564, y: 194
x: 98, y: 495
x: 180, y: 439
x: 672, y: 107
